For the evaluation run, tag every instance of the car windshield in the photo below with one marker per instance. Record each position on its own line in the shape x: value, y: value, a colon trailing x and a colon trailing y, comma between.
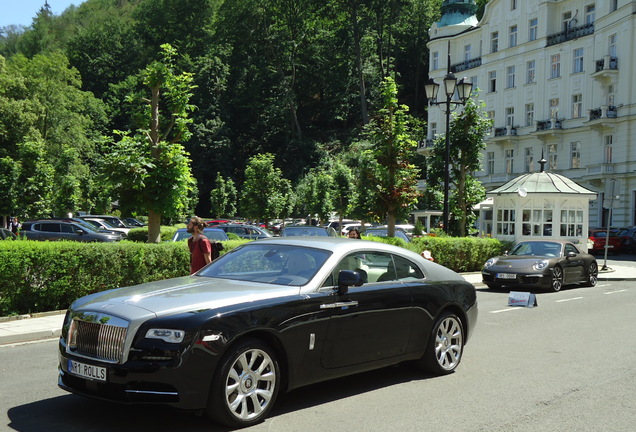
x: 268, y: 263
x: 549, y: 249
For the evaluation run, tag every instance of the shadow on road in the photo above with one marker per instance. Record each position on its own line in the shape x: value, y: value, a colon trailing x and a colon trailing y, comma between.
x: 71, y: 413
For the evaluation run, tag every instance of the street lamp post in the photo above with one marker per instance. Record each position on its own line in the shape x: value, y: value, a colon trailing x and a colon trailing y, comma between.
x: 464, y: 88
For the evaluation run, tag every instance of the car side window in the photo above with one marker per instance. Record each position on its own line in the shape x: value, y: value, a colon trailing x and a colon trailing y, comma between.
x: 570, y: 248
x: 50, y: 227
x: 66, y: 228
x: 401, y: 269
x: 370, y: 265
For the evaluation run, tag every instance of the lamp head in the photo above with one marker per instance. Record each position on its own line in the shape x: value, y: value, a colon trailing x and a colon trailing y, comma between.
x: 430, y: 89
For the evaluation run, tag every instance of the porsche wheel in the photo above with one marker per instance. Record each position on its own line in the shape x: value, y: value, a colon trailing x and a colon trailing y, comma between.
x: 245, y: 388
x: 592, y: 275
x: 445, y: 347
x: 557, y: 279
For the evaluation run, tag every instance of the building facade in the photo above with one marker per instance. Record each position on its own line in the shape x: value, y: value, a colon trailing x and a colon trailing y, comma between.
x: 558, y: 77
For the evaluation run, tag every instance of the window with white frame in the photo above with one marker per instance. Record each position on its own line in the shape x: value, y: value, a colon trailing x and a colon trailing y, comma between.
x: 575, y: 154
x: 552, y: 156
x: 510, y: 76
x: 528, y: 159
x: 513, y: 4
x: 467, y: 52
x: 513, y: 36
x: 613, y: 5
x: 554, y: 108
x: 537, y: 218
x: 510, y: 116
x: 566, y: 20
x: 529, y: 114
x: 509, y: 160
x: 491, y: 115
x: 577, y: 67
x: 611, y: 95
x: 473, y: 80
x: 531, y: 71
x: 435, y: 60
x: 506, y: 219
x: 577, y: 105
x: 432, y: 128
x: 490, y: 163
x: 608, y: 148
x: 533, y: 29
x: 571, y: 223
x: 555, y: 66
x: 590, y: 13
x: 494, y: 42
x: 612, y: 45
x: 492, y: 81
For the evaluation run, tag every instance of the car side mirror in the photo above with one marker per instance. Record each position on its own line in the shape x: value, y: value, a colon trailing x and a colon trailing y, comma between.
x: 80, y: 231
x: 571, y: 254
x: 347, y: 278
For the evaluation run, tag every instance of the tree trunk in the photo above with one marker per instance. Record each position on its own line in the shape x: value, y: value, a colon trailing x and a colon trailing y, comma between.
x: 154, y: 227
x: 356, y: 40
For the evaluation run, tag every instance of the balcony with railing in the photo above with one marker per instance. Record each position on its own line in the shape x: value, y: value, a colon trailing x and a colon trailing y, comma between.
x: 502, y: 135
x: 468, y: 64
x: 569, y: 34
x: 606, y: 67
x: 425, y: 146
x: 548, y: 127
x: 603, y: 117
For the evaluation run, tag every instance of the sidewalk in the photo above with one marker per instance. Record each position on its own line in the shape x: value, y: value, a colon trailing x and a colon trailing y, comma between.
x: 26, y: 328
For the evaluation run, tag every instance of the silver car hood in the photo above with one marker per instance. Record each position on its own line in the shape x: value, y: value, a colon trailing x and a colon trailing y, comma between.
x: 172, y: 296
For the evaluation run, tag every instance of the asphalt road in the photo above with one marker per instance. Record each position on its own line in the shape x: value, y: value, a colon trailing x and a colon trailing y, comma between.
x: 566, y: 365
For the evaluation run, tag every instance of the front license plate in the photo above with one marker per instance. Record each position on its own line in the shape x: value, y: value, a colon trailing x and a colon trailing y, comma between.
x: 506, y: 276
x: 96, y: 373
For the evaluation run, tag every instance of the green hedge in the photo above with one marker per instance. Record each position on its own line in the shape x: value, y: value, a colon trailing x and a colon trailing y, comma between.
x: 46, y: 276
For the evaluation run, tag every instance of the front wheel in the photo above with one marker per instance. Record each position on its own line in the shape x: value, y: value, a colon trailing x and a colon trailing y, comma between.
x: 244, y: 390
x: 557, y: 279
x: 446, y: 345
x: 592, y: 275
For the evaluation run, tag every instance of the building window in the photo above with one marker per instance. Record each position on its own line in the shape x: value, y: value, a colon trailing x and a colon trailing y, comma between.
x: 533, y: 29
x: 575, y: 154
x: 577, y: 105
x: 566, y: 20
x: 590, y: 13
x: 578, y: 61
x: 531, y: 71
x: 509, y: 157
x: 494, y: 42
x: 513, y: 36
x: 555, y: 66
x: 528, y: 159
x: 536, y: 221
x: 432, y: 129
x: 611, y: 100
x: 506, y: 221
x: 612, y: 45
x: 552, y: 157
x: 490, y: 163
x: 554, y: 108
x: 492, y: 81
x: 510, y: 116
x: 467, y: 49
x: 613, y: 5
x: 608, y: 148
x: 473, y: 79
x: 513, y: 4
x: 510, y: 77
x: 491, y: 115
x: 529, y: 114
x: 572, y: 223
x: 435, y: 60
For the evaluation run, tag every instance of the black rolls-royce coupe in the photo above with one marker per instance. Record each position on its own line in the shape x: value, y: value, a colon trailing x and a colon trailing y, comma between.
x: 269, y: 316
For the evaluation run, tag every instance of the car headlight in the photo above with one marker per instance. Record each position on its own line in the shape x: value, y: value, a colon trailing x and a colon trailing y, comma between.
x: 166, y: 335
x: 490, y: 262
x: 540, y: 265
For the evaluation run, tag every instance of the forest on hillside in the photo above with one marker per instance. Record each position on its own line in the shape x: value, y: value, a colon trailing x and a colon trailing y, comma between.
x: 298, y: 79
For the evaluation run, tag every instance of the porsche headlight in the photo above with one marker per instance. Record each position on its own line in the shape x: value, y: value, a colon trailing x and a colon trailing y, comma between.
x: 166, y: 335
x: 540, y: 265
x: 490, y: 262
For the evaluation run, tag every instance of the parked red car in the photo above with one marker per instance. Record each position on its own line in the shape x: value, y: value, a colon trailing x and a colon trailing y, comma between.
x: 599, y: 236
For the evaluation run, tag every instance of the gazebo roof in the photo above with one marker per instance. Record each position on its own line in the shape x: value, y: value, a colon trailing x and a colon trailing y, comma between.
x: 542, y: 182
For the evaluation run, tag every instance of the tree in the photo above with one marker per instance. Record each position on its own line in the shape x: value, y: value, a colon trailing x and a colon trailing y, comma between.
x: 316, y: 193
x: 344, y: 189
x: 467, y: 131
x: 35, y: 181
x: 392, y: 146
x: 223, y: 198
x: 265, y: 194
x: 149, y: 168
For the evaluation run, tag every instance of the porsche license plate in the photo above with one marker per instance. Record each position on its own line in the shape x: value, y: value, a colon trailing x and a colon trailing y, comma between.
x: 506, y: 276
x: 96, y: 373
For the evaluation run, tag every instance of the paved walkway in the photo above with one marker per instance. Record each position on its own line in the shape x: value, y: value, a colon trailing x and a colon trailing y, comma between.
x: 26, y: 328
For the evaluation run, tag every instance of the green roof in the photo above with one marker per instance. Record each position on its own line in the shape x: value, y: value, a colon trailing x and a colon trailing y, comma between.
x: 541, y: 182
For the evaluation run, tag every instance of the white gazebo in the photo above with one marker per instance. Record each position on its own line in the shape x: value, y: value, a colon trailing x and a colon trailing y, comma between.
x: 539, y: 205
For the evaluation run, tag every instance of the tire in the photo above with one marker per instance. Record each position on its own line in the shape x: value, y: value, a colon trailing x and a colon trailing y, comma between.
x: 592, y: 275
x: 445, y: 346
x: 246, y: 385
x: 557, y: 279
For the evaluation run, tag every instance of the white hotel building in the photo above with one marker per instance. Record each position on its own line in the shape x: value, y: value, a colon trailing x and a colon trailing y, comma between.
x: 559, y: 79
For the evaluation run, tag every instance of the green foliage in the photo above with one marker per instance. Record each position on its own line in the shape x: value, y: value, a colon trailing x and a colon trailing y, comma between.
x: 266, y: 194
x: 141, y: 234
x: 223, y: 198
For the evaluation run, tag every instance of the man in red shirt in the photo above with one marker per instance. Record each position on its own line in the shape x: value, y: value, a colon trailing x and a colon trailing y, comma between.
x: 199, y: 245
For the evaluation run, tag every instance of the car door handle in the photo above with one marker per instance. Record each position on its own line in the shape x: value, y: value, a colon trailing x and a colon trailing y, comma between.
x: 338, y: 305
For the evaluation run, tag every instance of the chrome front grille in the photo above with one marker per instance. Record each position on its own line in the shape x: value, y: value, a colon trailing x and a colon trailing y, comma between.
x: 96, y: 340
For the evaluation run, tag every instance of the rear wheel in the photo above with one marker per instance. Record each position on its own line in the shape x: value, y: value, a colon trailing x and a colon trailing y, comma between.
x: 445, y: 347
x: 557, y: 279
x: 244, y: 390
x: 592, y: 275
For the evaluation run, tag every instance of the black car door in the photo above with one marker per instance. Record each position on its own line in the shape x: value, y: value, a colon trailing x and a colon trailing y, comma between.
x: 371, y: 322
